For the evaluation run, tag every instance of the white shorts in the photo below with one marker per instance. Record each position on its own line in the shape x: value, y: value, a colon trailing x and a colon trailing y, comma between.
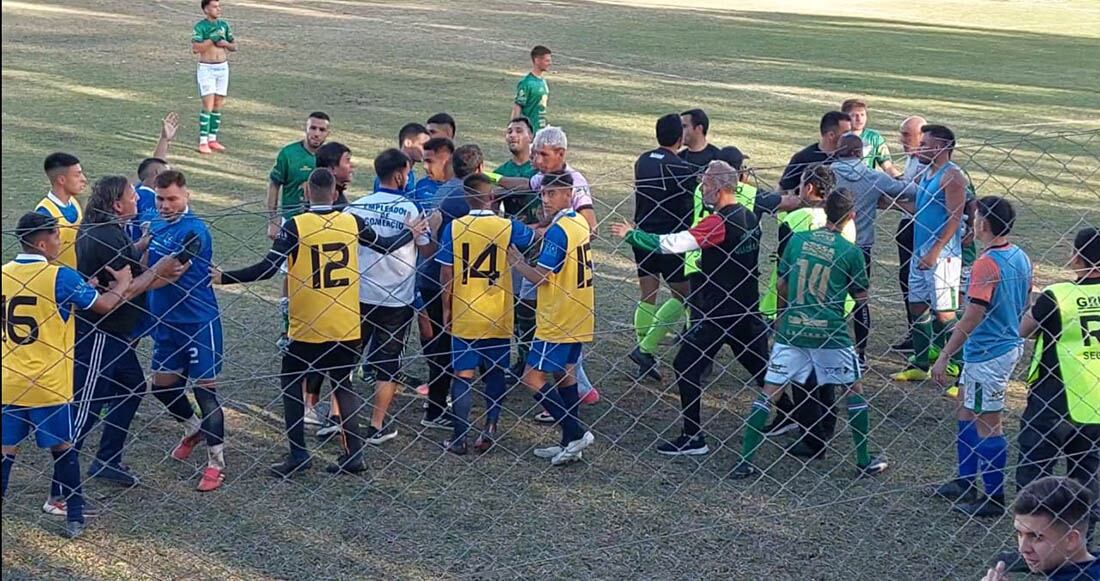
x: 789, y: 364
x: 937, y: 287
x: 213, y: 79
x: 984, y: 383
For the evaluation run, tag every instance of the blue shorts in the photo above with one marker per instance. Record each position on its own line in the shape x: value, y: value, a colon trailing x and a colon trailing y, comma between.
x: 52, y: 425
x: 553, y: 357
x: 193, y: 350
x: 467, y: 354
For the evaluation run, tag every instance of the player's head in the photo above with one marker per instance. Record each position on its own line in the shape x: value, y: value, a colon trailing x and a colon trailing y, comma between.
x: 467, y: 160
x: 212, y: 8
x: 548, y: 149
x: 150, y: 168
x: 840, y: 207
x: 857, y: 111
x: 442, y: 125
x: 670, y: 131
x: 437, y: 159
x: 321, y: 187
x: 909, y: 133
x: 172, y: 194
x: 695, y: 124
x: 849, y: 146
x: 392, y: 168
x: 995, y: 218
x: 411, y: 139
x: 1051, y: 518
x: 817, y: 181
x: 479, y: 191
x: 65, y: 174
x: 556, y: 192
x: 719, y: 184
x: 518, y: 135
x: 1086, y: 252
x: 113, y: 199
x: 317, y: 128
x: 541, y: 58
x: 736, y: 158
x: 336, y: 157
x: 936, y: 142
x: 38, y: 234
x: 833, y: 124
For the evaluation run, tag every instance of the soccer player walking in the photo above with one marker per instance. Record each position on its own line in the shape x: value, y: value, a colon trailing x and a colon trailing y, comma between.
x: 321, y: 250
x: 988, y: 335
x: 212, y: 40
x: 532, y: 92
x: 818, y: 271
x: 38, y: 331
x: 67, y: 181
x: 565, y: 319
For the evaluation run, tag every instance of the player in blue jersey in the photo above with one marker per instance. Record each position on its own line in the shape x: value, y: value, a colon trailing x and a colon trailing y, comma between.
x: 988, y: 335
x: 147, y: 173
x: 187, y: 330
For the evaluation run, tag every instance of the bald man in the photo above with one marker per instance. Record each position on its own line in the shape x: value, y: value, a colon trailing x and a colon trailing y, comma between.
x: 909, y: 138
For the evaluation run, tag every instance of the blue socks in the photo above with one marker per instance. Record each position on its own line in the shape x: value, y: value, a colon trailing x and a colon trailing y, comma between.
x: 495, y: 387
x: 571, y: 429
x: 66, y: 472
x: 461, y: 402
x: 553, y: 402
x: 213, y: 420
x: 993, y: 452
x: 9, y: 461
x: 966, y: 444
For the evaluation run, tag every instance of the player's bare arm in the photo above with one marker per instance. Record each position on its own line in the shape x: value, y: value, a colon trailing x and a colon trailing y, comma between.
x: 955, y: 193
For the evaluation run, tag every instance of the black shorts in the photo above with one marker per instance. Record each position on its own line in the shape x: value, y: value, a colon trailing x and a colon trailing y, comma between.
x: 333, y: 359
x: 667, y: 266
x: 384, y: 330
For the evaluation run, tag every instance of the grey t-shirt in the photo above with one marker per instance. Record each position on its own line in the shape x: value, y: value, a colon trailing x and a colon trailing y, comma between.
x: 868, y: 186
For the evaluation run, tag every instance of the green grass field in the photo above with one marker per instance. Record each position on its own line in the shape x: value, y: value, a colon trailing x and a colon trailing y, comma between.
x: 1017, y: 80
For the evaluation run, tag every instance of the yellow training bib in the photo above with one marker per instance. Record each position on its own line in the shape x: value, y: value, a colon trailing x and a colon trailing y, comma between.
x: 38, y: 344
x: 482, y: 304
x: 323, y: 279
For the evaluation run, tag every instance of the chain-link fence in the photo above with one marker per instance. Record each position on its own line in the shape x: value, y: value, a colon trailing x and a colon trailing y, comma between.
x: 638, y: 502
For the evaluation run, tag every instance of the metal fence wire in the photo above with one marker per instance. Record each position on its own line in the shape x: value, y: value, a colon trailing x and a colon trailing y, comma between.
x: 623, y: 508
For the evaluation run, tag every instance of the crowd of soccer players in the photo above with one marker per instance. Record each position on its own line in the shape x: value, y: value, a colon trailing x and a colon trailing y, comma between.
x: 490, y: 262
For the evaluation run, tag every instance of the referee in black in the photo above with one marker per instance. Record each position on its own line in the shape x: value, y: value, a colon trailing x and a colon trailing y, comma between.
x: 107, y: 371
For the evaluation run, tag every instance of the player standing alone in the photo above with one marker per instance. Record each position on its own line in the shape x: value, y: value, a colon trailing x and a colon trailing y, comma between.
x: 532, y: 92
x: 212, y: 40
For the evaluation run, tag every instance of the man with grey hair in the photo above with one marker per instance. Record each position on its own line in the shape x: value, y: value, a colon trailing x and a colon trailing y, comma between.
x: 871, y: 190
x: 729, y: 243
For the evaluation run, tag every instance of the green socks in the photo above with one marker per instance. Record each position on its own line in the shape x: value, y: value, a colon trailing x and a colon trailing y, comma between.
x: 860, y: 421
x: 922, y: 339
x: 204, y: 126
x: 666, y: 318
x: 942, y: 332
x: 215, y: 123
x: 643, y: 319
x: 754, y: 427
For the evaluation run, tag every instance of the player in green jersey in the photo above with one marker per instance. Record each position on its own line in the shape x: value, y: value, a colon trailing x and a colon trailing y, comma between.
x: 875, y: 151
x: 532, y: 91
x: 212, y: 40
x: 818, y: 271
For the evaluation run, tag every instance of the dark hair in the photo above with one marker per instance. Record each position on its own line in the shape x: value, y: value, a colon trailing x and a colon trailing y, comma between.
x: 820, y: 177
x: 538, y: 51
x: 437, y: 143
x: 850, y: 104
x: 170, y: 177
x: 206, y: 3
x: 698, y: 117
x: 408, y: 131
x: 838, y: 205
x: 1087, y: 245
x: 319, y: 115
x: 831, y: 121
x: 147, y: 165
x: 523, y: 119
x: 558, y: 179
x: 466, y: 159
x: 32, y: 225
x: 390, y: 162
x: 732, y: 156
x: 942, y: 133
x: 443, y: 119
x: 56, y: 163
x: 321, y: 180
x: 100, y: 207
x: 998, y: 213
x: 670, y: 130
x: 849, y: 145
x: 330, y: 153
x: 1061, y: 499
x: 473, y: 181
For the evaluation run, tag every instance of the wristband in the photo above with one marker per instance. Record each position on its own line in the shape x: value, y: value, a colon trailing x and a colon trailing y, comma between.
x: 493, y: 177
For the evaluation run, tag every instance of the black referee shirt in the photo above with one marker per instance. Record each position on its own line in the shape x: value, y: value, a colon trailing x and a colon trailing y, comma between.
x: 662, y: 201
x: 109, y: 244
x: 808, y: 157
x: 698, y: 160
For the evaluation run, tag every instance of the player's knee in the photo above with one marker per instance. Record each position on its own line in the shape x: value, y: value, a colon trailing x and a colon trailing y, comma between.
x: 990, y: 424
x: 10, y: 450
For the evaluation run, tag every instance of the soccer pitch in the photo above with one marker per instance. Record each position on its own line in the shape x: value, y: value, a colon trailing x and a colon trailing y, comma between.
x: 94, y: 78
